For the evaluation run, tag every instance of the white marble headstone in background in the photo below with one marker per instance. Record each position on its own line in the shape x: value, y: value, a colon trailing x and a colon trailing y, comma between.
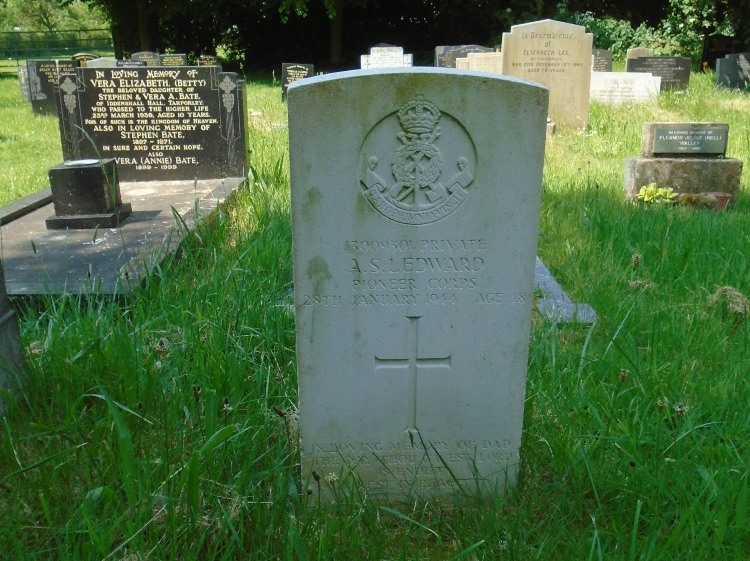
x: 415, y: 211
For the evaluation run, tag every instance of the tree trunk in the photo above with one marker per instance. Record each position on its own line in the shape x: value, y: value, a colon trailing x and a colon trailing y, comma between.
x: 336, y: 27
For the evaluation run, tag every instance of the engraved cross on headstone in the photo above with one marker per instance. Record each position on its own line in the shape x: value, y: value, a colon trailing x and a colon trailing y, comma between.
x: 412, y: 364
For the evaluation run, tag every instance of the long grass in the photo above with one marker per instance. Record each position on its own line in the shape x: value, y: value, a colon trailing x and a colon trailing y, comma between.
x: 163, y: 425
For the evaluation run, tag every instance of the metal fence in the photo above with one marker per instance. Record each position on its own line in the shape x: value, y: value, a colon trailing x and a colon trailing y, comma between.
x: 30, y: 44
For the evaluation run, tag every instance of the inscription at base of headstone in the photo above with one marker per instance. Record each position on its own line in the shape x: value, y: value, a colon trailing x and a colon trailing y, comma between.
x: 624, y: 87
x: 86, y: 194
x: 291, y: 72
x: 685, y: 139
x: 158, y: 123
x: 413, y: 307
x: 733, y: 71
x: 674, y: 71
x: 43, y: 77
x: 558, y: 55
x: 446, y: 55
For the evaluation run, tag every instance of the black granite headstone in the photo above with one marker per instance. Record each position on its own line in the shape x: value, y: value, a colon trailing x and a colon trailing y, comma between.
x: 208, y: 60
x: 86, y: 194
x: 149, y: 58
x: 158, y: 123
x: 173, y: 59
x: 43, y: 78
x: 446, y: 55
x: 733, y: 71
x: 602, y: 60
x: 673, y: 70
x: 291, y: 72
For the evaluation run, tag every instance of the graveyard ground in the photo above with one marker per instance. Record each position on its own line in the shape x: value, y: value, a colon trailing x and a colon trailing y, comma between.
x: 162, y: 425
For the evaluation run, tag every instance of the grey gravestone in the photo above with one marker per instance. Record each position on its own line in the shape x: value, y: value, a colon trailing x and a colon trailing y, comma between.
x: 173, y: 59
x: 637, y: 52
x: 149, y: 58
x: 482, y: 62
x: 413, y: 306
x: 733, y: 71
x: 43, y: 76
x: 685, y: 139
x: 11, y: 353
x: 558, y: 55
x: 158, y: 123
x: 23, y: 82
x: 291, y: 72
x: 602, y: 60
x: 624, y: 87
x: 86, y: 194
x: 688, y: 157
x: 103, y: 62
x: 674, y: 71
x: 386, y: 57
x: 446, y: 55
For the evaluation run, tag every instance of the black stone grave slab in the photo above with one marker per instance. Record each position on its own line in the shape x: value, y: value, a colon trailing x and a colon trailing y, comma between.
x: 163, y: 123
x: 43, y: 79
x: 107, y: 260
x: 149, y: 58
x: 86, y: 194
x: 291, y: 72
x: 602, y: 60
x: 173, y: 59
x: 446, y: 55
x: 673, y: 70
x: 733, y: 71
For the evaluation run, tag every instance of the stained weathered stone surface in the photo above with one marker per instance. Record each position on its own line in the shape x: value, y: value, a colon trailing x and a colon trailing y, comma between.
x: 413, y: 305
x: 11, y: 352
x: 685, y: 175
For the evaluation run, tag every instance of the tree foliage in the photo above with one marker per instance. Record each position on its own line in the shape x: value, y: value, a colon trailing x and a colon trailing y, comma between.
x: 331, y: 33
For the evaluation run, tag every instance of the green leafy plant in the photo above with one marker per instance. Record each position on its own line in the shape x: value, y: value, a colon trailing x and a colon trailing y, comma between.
x: 652, y: 193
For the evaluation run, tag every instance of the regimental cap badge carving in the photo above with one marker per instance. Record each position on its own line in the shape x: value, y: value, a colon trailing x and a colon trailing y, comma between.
x: 419, y: 116
x: 403, y: 176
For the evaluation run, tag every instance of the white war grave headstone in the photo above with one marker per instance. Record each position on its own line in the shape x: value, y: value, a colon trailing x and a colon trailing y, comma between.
x: 415, y: 232
x: 558, y: 55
